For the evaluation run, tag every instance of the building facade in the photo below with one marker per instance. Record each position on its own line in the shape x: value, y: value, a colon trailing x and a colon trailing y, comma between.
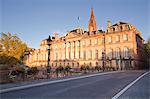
x: 117, y: 47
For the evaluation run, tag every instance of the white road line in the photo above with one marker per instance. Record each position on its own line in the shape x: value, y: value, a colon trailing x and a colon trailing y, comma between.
x: 128, y: 86
x: 52, y: 82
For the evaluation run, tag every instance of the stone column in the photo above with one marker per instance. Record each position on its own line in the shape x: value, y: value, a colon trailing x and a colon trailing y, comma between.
x: 65, y: 50
x: 74, y: 49
x: 71, y: 49
x: 79, y: 49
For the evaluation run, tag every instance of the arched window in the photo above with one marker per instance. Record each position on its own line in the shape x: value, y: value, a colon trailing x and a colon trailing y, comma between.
x: 78, y: 64
x: 56, y: 56
x: 90, y: 42
x: 110, y: 53
x: 125, y: 37
x: 72, y: 65
x: 96, y: 63
x: 84, y: 54
x: 90, y: 64
x: 118, y: 53
x: 37, y: 56
x: 96, y: 54
x: 126, y: 52
x: 90, y: 54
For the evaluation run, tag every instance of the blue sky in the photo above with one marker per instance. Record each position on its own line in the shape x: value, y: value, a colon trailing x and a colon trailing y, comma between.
x: 34, y: 20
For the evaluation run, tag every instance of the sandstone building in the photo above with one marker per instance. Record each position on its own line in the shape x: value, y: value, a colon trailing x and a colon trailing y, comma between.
x: 119, y: 46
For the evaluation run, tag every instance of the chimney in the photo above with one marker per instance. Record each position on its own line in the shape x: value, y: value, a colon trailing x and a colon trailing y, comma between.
x: 56, y: 35
x: 109, y: 23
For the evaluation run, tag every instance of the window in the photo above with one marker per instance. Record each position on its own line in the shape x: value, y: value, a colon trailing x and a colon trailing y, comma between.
x: 83, y: 42
x: 117, y: 38
x: 118, y: 53
x: 90, y: 64
x: 84, y: 54
x: 37, y: 56
x: 72, y: 65
x: 69, y: 55
x: 99, y: 40
x: 90, y: 54
x: 110, y: 53
x: 110, y: 39
x: 102, y: 40
x: 96, y: 54
x: 56, y: 46
x: 125, y: 37
x: 121, y: 28
x: 96, y: 41
x: 126, y: 52
x: 72, y: 44
x: 113, y: 29
x: 90, y: 42
x: 78, y: 43
x: 100, y: 54
x: 56, y: 56
x: 68, y: 44
x: 46, y: 56
x: 63, y: 55
x: 78, y: 64
x: 96, y: 63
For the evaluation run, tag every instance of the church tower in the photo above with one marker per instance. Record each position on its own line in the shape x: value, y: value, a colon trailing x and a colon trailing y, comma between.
x: 92, y: 22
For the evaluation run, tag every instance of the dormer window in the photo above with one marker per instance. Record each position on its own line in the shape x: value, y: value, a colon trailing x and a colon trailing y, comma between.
x: 125, y: 37
x: 117, y: 38
x: 110, y: 39
x: 121, y: 28
x: 113, y: 29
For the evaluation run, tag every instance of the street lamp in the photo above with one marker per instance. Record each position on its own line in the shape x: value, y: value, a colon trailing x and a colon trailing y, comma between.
x: 26, y: 53
x: 48, y: 48
x: 103, y: 56
x: 121, y: 62
x: 104, y: 53
x: 130, y: 62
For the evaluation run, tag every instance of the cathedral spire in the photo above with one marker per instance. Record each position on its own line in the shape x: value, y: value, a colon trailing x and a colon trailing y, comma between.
x: 92, y: 22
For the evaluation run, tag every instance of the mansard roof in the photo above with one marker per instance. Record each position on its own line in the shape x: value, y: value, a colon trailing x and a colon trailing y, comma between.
x: 119, y: 23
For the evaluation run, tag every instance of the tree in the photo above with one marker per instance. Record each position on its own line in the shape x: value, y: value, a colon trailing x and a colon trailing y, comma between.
x: 98, y: 68
x: 147, y: 53
x: 67, y: 69
x: 147, y: 46
x: 32, y: 71
x: 11, y: 46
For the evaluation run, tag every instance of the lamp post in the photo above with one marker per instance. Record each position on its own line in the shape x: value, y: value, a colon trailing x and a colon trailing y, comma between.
x: 23, y: 55
x: 121, y: 62
x: 26, y: 53
x: 48, y: 48
x: 104, y: 53
x: 130, y: 62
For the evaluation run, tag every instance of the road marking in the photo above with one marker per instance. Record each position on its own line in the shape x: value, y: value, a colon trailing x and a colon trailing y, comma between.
x: 53, y: 82
x: 128, y: 86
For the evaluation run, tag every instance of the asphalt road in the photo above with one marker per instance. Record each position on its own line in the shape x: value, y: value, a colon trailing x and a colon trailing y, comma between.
x: 140, y: 90
x: 97, y: 87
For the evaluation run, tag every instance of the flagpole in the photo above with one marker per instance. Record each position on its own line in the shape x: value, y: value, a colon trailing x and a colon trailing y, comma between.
x: 78, y: 26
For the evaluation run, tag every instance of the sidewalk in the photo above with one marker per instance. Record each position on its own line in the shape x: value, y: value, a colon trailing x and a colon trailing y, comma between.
x: 35, y: 83
x: 10, y: 85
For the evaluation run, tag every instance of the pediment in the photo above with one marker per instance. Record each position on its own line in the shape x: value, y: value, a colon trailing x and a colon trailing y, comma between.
x: 71, y: 35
